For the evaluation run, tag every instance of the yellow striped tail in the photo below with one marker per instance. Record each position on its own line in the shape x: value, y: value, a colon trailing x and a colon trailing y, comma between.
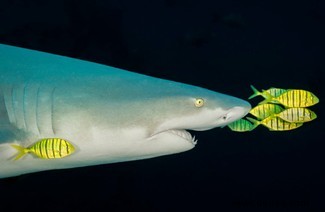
x: 254, y: 121
x: 255, y: 94
x: 268, y: 98
x: 21, y: 151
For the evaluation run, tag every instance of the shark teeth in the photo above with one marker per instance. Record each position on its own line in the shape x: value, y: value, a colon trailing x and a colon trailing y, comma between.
x: 184, y: 134
x: 194, y: 140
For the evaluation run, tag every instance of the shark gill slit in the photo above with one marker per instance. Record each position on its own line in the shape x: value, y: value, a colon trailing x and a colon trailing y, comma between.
x: 14, y: 119
x: 7, y: 97
x: 37, y: 110
x: 52, y: 111
x: 24, y: 106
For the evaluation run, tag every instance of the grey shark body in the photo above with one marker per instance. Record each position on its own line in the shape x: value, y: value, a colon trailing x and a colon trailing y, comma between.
x: 108, y: 114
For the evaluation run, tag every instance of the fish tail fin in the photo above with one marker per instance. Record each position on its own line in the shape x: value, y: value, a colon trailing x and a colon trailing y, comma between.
x: 255, y: 94
x: 268, y: 97
x: 254, y: 121
x: 265, y: 101
x: 21, y: 151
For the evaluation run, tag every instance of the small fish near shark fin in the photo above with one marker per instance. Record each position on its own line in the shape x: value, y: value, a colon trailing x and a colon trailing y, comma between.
x: 47, y: 148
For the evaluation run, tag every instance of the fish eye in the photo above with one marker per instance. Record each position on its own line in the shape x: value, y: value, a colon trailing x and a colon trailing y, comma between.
x: 199, y: 102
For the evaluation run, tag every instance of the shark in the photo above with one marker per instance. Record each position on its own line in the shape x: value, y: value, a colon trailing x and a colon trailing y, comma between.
x: 108, y: 114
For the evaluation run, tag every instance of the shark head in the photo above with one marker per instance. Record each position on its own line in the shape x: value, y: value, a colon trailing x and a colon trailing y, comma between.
x: 197, y: 109
x: 152, y: 118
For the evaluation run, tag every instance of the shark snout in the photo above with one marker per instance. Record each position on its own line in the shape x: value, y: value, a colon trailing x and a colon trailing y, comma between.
x: 237, y: 112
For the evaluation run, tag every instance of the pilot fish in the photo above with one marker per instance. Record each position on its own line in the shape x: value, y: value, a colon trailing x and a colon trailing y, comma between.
x: 293, y: 98
x: 265, y: 110
x: 48, y: 148
x: 241, y: 125
x: 297, y: 114
x: 275, y: 123
x: 275, y: 92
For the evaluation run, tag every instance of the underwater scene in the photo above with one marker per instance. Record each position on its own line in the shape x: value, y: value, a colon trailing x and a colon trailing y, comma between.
x: 220, y: 108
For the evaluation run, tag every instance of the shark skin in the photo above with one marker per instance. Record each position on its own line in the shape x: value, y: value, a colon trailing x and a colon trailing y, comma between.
x: 109, y: 115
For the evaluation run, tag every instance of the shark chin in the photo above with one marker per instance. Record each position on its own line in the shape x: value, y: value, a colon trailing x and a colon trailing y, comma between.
x: 107, y: 114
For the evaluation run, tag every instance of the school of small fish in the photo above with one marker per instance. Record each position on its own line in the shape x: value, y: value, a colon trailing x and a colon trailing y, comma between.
x: 281, y: 110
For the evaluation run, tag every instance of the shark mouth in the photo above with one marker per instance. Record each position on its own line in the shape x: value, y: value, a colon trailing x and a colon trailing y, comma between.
x: 185, y: 135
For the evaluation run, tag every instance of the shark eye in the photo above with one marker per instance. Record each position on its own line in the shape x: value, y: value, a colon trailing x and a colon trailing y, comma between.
x: 199, y: 102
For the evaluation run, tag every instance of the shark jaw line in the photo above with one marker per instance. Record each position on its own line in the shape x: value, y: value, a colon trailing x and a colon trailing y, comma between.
x: 185, y: 135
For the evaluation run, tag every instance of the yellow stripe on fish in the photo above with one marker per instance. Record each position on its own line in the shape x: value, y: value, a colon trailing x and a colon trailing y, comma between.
x: 275, y: 92
x: 275, y: 124
x: 241, y: 125
x: 265, y: 110
x: 295, y: 114
x: 48, y: 148
x: 293, y: 98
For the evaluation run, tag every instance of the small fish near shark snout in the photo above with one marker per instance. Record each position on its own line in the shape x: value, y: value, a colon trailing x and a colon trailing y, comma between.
x: 107, y: 114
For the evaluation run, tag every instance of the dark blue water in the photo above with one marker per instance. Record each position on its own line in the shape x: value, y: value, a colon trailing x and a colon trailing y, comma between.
x: 221, y: 45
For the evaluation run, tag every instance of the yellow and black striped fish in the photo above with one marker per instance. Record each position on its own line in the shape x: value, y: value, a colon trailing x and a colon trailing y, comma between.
x: 275, y: 92
x: 241, y: 125
x: 275, y: 124
x: 265, y: 110
x: 47, y: 148
x: 293, y: 98
x: 297, y: 114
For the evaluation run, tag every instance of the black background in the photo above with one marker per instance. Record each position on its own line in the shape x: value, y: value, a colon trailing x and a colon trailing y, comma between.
x: 220, y: 45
